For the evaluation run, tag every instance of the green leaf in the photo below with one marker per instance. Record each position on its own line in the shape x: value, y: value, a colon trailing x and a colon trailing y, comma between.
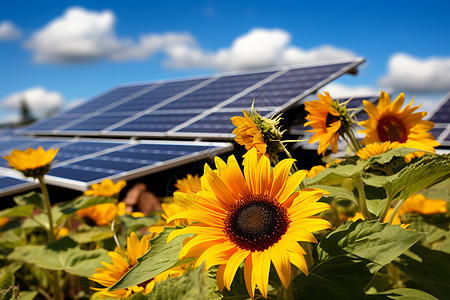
x: 28, y: 295
x: 17, y: 211
x: 42, y: 218
x: 375, y: 199
x: 429, y: 268
x: 6, y: 279
x: 190, y: 285
x: 134, y: 224
x: 338, y: 193
x: 81, y: 202
x: 31, y: 198
x: 162, y: 256
x: 94, y: 234
x: 349, y: 256
x: 435, y: 225
x: 401, y: 294
x: 428, y: 170
x: 64, y: 254
x: 389, y: 155
x: 346, y: 169
x: 379, y: 243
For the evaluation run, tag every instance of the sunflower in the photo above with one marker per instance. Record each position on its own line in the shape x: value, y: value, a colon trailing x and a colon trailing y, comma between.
x: 121, y: 263
x: 101, y: 214
x: 106, y: 188
x: 32, y: 163
x: 327, y: 119
x: 257, y: 218
x: 315, y: 170
x: 377, y: 148
x: 4, y: 221
x: 122, y: 210
x: 187, y: 188
x: 389, y: 123
x: 420, y: 204
x: 247, y: 134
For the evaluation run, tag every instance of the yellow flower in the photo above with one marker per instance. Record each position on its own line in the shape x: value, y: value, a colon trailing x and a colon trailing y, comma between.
x: 389, y: 123
x: 315, y: 170
x: 187, y: 188
x: 121, y: 263
x: 377, y: 148
x: 247, y: 134
x: 32, y: 163
x: 325, y: 119
x: 418, y: 203
x: 62, y: 232
x: 101, y: 214
x: 121, y: 210
x: 3, y: 221
x: 256, y: 217
x: 170, y: 209
x: 106, y: 188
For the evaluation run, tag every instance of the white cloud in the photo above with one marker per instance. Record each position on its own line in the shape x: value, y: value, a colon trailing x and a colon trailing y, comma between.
x: 339, y: 91
x: 81, y: 35
x: 409, y: 73
x: 40, y: 101
x: 259, y: 47
x: 9, y: 31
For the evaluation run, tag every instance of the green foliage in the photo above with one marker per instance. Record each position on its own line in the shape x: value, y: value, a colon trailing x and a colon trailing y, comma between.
x: 346, y: 169
x: 401, y: 294
x: 426, y: 171
x: 31, y: 198
x: 92, y: 234
x: 161, y: 257
x: 81, y: 202
x: 17, y: 211
x: 12, y: 293
x: 194, y: 284
x: 134, y: 224
x: 429, y: 268
x: 391, y: 154
x: 348, y: 258
x: 336, y: 193
x: 64, y: 254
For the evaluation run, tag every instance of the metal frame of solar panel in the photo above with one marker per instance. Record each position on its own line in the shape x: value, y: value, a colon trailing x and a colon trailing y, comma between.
x: 192, y: 108
x: 82, y: 162
x: 440, y: 115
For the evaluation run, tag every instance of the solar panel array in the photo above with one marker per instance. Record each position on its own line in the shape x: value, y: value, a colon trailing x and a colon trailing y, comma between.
x: 82, y: 162
x: 190, y: 108
x: 441, y: 118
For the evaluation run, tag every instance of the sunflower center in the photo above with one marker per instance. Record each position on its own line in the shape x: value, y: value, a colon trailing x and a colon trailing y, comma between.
x: 391, y: 129
x: 256, y: 222
x: 331, y: 119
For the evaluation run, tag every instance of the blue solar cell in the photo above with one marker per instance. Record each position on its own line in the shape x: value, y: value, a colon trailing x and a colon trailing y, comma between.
x: 436, y: 131
x: 126, y: 160
x: 155, y: 96
x: 108, y: 98
x: 443, y: 114
x: 156, y: 121
x: 217, y: 91
x: 9, y: 182
x: 218, y: 122
x: 98, y: 123
x: 52, y: 123
x: 287, y: 86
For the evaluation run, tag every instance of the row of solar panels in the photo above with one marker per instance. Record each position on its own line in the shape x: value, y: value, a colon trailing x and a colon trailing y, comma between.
x: 200, y: 107
x: 82, y: 162
x: 441, y: 118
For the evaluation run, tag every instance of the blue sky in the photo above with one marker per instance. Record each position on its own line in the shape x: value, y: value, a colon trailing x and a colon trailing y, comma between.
x: 57, y: 53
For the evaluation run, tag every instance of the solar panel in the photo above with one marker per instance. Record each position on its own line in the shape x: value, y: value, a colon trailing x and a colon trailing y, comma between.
x: 82, y: 162
x: 10, y: 185
x: 173, y: 108
x: 440, y: 115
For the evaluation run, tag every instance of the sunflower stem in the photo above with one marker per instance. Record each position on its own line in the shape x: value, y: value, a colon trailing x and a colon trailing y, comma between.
x: 54, y: 278
x: 48, y: 209
x: 354, y: 143
x: 386, y: 208
x: 362, y: 197
x: 396, y: 208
